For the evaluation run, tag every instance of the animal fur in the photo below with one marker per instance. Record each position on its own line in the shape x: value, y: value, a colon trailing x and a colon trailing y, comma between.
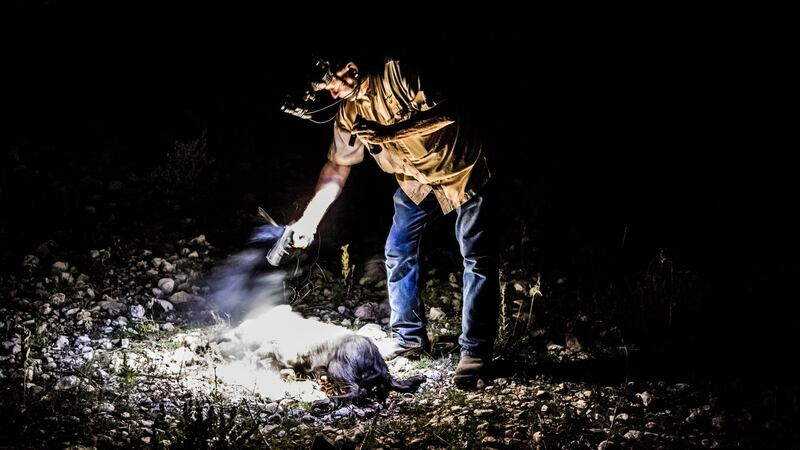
x: 356, y: 366
x: 281, y: 338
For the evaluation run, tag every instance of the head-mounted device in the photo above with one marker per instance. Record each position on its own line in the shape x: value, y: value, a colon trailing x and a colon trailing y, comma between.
x: 320, y: 75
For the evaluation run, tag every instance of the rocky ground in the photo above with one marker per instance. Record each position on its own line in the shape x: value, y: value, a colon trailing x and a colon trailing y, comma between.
x: 113, y: 347
x: 109, y: 331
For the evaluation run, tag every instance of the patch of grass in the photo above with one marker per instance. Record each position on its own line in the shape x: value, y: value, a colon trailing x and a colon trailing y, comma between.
x: 215, y: 427
x: 126, y: 373
x: 219, y: 397
x: 502, y: 332
x: 346, y: 269
x: 184, y: 167
x: 118, y: 333
x: 430, y: 294
x: 659, y: 305
x: 420, y: 364
x: 146, y: 328
x: 456, y: 397
x: 171, y: 345
x: 299, y: 404
x: 43, y: 339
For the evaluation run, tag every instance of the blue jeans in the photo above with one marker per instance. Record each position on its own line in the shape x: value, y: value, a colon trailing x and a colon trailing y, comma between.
x: 481, y: 292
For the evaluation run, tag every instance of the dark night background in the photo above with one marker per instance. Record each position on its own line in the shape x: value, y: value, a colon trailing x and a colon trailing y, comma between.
x: 664, y: 129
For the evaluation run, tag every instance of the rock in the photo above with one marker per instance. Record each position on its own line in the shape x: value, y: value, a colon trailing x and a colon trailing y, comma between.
x: 272, y: 408
x: 372, y: 330
x: 30, y: 261
x: 181, y: 298
x: 168, y: 267
x: 606, y: 445
x: 645, y: 397
x: 14, y: 346
x: 58, y: 298
x: 61, y: 342
x: 367, y: 311
x: 633, y: 435
x: 553, y: 347
x: 167, y: 326
x: 137, y: 312
x: 343, y: 412
x: 572, y: 343
x: 166, y: 306
x: 166, y: 285
x: 436, y: 314
x: 59, y: 267
x: 580, y: 404
x: 112, y: 305
x: 83, y: 316
x: 489, y: 441
x: 199, y: 240
x: 67, y: 382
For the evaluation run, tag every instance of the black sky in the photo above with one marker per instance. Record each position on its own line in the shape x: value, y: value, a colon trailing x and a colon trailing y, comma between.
x: 674, y: 117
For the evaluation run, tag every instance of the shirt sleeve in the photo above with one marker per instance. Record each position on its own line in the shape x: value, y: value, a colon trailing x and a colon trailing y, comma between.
x: 341, y: 152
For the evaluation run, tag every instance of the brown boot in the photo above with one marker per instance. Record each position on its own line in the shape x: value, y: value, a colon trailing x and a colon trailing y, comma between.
x: 470, y: 369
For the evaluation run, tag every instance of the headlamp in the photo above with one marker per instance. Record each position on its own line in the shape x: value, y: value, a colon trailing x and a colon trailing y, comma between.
x: 316, y: 79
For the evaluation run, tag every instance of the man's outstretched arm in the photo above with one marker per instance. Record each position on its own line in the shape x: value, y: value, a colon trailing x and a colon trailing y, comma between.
x: 332, y: 178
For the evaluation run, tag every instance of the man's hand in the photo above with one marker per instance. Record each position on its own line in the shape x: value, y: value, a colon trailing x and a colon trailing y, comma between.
x: 331, y: 180
x: 370, y: 131
x: 302, y: 233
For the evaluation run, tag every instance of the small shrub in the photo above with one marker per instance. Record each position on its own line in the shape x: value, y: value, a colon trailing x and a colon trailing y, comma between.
x: 184, y: 167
